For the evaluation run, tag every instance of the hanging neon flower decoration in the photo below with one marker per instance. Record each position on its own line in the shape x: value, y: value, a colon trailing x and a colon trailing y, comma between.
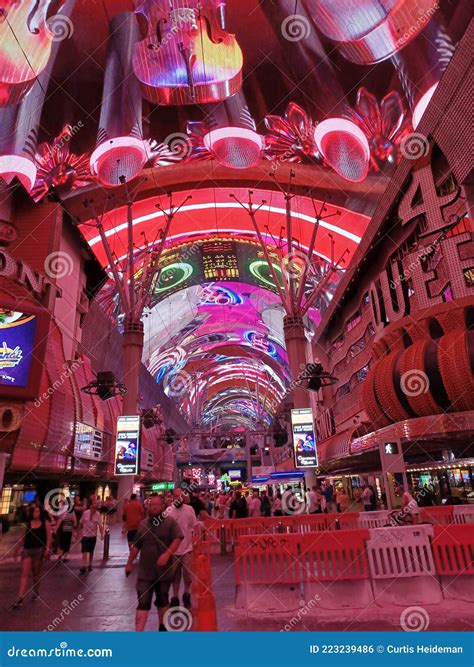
x: 291, y: 138
x: 59, y: 170
x: 385, y: 124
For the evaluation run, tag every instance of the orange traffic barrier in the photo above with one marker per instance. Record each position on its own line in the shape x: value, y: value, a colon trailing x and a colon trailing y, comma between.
x: 346, y: 520
x: 205, y: 615
x: 267, y: 559
x: 442, y: 515
x: 453, y: 550
x: 335, y: 556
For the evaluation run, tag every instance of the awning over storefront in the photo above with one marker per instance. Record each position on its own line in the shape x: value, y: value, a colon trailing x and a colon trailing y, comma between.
x: 336, y: 446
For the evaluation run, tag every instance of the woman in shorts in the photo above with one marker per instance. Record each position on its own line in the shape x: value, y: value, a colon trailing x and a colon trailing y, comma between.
x: 35, y: 548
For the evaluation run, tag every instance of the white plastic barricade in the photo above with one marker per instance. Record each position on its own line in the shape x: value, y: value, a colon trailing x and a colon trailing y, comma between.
x: 401, y: 565
x: 374, y: 519
x: 463, y: 514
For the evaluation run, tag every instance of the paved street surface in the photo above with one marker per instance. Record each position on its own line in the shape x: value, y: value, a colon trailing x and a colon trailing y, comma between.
x: 104, y: 600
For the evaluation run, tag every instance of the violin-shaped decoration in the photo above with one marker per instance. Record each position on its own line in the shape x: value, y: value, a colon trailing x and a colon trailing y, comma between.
x: 187, y: 56
x: 25, y: 45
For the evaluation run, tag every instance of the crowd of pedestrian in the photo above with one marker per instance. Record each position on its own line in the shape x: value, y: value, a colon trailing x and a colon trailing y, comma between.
x: 161, y: 529
x: 51, y: 532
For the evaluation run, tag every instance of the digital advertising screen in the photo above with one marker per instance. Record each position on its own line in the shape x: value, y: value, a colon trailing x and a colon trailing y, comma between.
x: 127, y: 446
x: 24, y: 328
x: 304, y: 440
x: 17, y: 341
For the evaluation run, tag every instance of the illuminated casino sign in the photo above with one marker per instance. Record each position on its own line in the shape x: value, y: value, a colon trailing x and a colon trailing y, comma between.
x: 304, y: 442
x: 17, y: 338
x: 127, y: 447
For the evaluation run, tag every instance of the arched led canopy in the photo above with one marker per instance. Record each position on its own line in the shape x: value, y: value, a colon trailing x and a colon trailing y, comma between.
x: 213, y: 323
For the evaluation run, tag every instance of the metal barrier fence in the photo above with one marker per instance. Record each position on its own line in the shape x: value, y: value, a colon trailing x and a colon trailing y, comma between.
x: 222, y: 534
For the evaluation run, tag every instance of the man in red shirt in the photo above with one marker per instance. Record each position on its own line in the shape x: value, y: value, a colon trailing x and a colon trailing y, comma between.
x: 134, y: 514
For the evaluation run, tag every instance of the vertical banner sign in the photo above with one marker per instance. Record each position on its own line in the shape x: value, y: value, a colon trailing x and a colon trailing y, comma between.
x: 304, y: 442
x: 127, y: 447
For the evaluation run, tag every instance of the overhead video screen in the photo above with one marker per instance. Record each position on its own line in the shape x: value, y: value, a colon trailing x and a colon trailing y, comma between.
x: 209, y: 261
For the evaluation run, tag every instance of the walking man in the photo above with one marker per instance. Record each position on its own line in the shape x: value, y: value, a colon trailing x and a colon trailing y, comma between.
x: 134, y: 515
x: 90, y: 522
x: 185, y: 517
x: 156, y: 540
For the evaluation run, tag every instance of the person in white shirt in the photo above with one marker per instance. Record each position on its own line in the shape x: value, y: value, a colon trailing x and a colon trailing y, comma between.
x: 255, y: 505
x: 367, y: 498
x: 185, y: 517
x: 410, y: 506
x: 91, y: 521
x: 314, y: 501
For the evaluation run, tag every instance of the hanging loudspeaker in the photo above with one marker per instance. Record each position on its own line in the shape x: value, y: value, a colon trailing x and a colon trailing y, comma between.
x: 232, y: 137
x: 121, y: 153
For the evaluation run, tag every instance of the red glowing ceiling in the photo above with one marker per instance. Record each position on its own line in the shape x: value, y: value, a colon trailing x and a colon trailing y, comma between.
x: 212, y: 211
